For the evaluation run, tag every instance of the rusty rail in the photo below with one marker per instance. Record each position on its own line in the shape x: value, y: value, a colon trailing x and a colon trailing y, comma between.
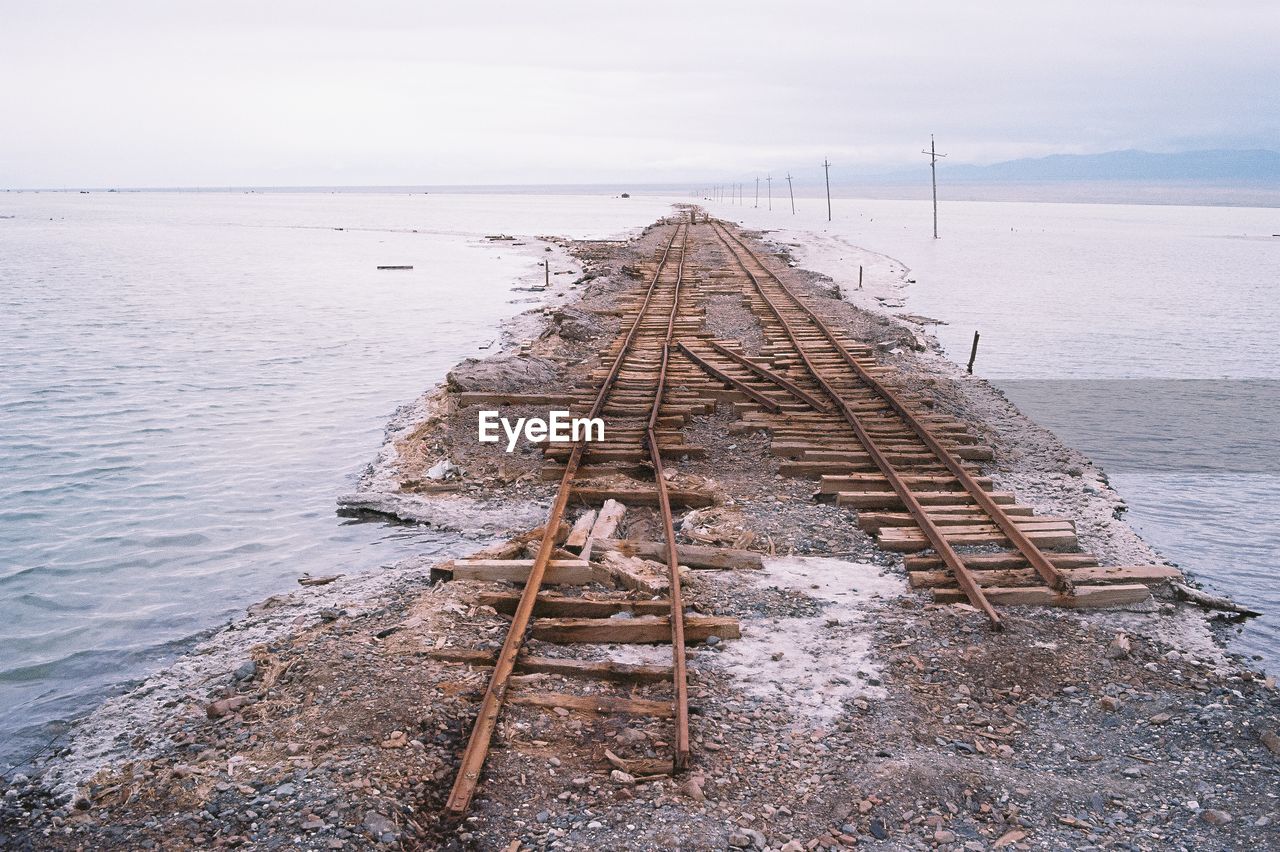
x: 937, y: 540
x: 679, y: 677
x: 1034, y: 556
x: 781, y: 381
x: 710, y: 369
x: 464, y: 785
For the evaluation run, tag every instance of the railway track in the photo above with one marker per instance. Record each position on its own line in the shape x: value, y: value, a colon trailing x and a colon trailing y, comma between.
x: 831, y: 412
x: 646, y: 346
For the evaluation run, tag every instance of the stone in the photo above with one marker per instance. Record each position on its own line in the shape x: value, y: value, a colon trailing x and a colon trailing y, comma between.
x: 225, y: 706
x: 285, y: 790
x: 246, y: 670
x: 1119, y: 648
x: 793, y: 846
x: 693, y: 789
x: 574, y: 324
x: 441, y: 470
x: 1215, y: 817
x: 502, y: 374
x: 739, y: 840
x: 1160, y: 719
x: 877, y: 829
x: 1109, y: 703
x: 1271, y: 740
x: 378, y: 825
x: 623, y: 778
x: 944, y: 836
x: 1009, y: 838
x: 398, y: 739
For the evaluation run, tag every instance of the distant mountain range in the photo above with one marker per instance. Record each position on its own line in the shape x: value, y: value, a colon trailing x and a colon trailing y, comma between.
x: 1217, y: 167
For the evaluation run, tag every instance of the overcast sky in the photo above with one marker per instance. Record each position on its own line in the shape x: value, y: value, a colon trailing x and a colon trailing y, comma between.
x: 276, y: 92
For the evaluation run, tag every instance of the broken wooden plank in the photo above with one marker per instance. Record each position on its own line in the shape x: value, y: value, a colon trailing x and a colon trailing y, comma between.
x: 692, y: 555
x: 588, y: 669
x: 551, y: 605
x: 902, y: 540
x: 877, y: 522
x: 995, y: 561
x: 683, y: 497
x: 1026, y: 576
x: 581, y: 532
x: 639, y: 575
x: 595, y: 704
x: 890, y: 500
x: 611, y: 514
x: 1084, y: 597
x: 643, y: 629
x: 515, y: 546
x: 834, y: 483
x: 1209, y: 601
x: 560, y: 572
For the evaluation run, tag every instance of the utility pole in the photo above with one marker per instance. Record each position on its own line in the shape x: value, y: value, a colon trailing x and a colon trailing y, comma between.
x: 792, y: 193
x: 826, y: 168
x: 769, y: 181
x: 933, y: 168
x: 757, y: 204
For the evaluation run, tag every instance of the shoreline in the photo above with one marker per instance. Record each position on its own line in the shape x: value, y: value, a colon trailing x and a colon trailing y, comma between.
x: 1030, y: 459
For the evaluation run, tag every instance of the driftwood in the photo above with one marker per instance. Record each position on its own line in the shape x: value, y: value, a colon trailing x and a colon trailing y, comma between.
x: 1209, y: 601
x: 308, y: 580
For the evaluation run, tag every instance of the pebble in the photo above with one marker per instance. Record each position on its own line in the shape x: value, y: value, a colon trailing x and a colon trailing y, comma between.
x: 1109, y: 703
x: 246, y: 670
x: 1215, y: 817
x: 1119, y: 648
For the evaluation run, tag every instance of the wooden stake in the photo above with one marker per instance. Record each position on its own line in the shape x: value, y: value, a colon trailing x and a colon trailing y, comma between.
x: 860, y: 278
x: 973, y: 353
x: 546, y: 268
x: 791, y: 192
x: 769, y: 181
x: 757, y: 204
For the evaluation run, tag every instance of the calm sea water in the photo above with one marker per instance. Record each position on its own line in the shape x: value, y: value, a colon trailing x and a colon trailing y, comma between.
x: 1143, y: 335
x: 189, y: 380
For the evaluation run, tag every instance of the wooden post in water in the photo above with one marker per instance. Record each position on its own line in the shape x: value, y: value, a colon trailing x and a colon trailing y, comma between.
x: 769, y: 181
x: 757, y: 204
x: 792, y: 193
x: 826, y: 167
x: 973, y: 353
x: 546, y: 268
x: 859, y: 276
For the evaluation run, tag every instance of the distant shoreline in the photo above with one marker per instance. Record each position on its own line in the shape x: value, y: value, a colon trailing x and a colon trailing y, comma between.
x: 1173, y: 193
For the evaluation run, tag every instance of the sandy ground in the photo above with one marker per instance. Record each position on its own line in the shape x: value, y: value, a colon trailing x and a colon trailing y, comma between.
x: 852, y: 711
